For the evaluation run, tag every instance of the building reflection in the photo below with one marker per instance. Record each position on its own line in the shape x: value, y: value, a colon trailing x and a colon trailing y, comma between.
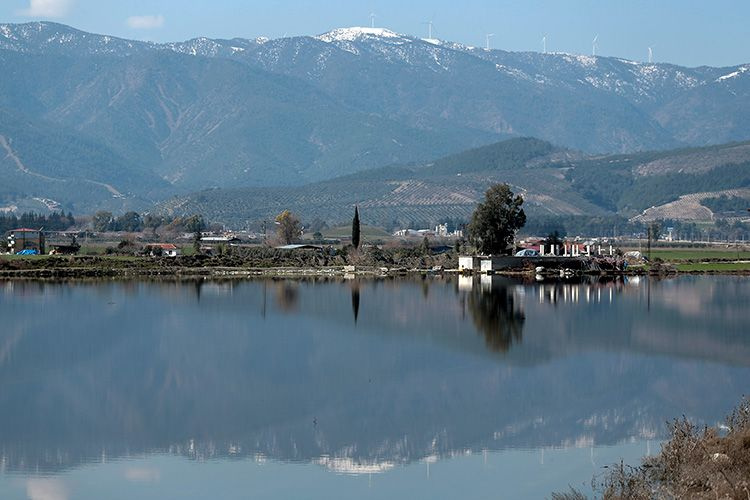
x: 583, y: 290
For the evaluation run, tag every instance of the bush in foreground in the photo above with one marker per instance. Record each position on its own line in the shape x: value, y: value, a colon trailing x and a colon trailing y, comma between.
x: 694, y: 463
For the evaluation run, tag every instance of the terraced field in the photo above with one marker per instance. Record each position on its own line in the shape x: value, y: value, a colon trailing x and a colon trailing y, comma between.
x: 689, y: 208
x: 553, y: 181
x: 401, y: 202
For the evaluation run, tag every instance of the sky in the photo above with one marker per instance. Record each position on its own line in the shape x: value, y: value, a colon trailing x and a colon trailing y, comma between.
x: 685, y: 32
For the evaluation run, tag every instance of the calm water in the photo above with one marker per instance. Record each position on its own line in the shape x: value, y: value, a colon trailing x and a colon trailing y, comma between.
x: 435, y: 388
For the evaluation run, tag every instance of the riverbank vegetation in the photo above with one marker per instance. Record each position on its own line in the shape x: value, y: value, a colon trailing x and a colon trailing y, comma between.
x: 695, y: 462
x: 255, y: 257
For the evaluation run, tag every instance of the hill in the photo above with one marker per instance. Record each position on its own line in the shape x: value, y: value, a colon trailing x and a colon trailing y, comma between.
x: 553, y: 180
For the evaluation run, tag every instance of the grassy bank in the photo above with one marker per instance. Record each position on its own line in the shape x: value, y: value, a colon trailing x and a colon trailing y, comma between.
x: 249, y: 260
x: 713, y: 267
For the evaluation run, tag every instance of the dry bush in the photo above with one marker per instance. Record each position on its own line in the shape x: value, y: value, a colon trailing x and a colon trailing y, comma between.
x: 696, y: 463
x: 573, y: 494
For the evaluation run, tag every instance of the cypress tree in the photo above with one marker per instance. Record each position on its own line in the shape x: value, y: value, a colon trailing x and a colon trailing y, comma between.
x: 355, y: 228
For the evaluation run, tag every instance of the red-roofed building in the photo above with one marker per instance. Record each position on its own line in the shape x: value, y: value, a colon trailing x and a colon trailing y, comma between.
x: 162, y: 249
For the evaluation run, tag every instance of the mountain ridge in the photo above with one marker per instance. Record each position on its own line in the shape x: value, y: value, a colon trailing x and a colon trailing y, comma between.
x: 256, y: 112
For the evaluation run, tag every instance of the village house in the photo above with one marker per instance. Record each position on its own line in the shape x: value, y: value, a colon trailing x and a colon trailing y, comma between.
x: 162, y: 249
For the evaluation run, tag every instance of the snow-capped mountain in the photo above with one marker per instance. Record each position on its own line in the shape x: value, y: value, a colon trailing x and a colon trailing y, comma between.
x: 213, y: 112
x: 53, y: 38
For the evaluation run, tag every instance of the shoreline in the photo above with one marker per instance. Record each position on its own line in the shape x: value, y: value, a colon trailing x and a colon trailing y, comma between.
x: 324, y: 271
x: 274, y: 263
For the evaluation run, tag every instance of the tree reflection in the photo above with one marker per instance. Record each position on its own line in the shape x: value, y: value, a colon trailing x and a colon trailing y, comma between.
x: 496, y: 314
x: 355, y: 301
x: 287, y: 296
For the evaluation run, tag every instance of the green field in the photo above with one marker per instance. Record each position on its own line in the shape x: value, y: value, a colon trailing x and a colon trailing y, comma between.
x: 22, y: 257
x: 714, y: 266
x: 698, y: 254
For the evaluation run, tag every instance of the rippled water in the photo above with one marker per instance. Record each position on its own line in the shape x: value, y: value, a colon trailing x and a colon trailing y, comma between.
x: 433, y: 388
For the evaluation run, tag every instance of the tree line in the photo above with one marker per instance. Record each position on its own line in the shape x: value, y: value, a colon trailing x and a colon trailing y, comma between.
x: 56, y: 221
x: 133, y: 222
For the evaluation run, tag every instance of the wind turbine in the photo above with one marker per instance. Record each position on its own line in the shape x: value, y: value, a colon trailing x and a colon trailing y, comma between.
x: 429, y: 25
x: 544, y: 44
x: 372, y: 19
x: 488, y: 36
x: 594, y: 45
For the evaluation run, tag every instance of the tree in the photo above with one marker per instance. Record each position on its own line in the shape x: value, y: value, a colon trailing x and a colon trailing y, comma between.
x: 425, y: 247
x: 554, y: 241
x: 553, y: 238
x: 355, y: 228
x: 196, y: 225
x: 289, y: 226
x: 102, y: 221
x: 654, y: 230
x: 495, y: 221
x: 130, y: 222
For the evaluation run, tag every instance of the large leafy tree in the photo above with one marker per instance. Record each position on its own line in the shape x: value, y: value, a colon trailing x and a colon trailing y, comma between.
x: 289, y: 226
x: 102, y: 221
x: 196, y: 225
x: 495, y: 221
x: 130, y: 221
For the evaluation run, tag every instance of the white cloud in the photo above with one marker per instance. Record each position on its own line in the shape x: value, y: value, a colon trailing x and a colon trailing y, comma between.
x: 46, y: 489
x: 46, y: 8
x: 145, y: 22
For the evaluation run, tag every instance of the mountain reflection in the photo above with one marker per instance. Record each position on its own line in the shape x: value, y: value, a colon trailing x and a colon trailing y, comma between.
x: 496, y: 312
x: 115, y: 369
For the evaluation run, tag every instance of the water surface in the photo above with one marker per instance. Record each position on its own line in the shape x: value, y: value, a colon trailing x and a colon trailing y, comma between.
x: 426, y: 388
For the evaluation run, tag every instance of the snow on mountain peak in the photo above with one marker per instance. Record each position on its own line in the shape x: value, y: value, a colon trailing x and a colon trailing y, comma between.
x: 733, y: 74
x: 355, y: 33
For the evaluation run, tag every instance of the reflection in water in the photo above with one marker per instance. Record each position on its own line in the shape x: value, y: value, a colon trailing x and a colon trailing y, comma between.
x: 584, y: 289
x: 355, y: 300
x: 114, y: 369
x: 496, y: 312
x: 286, y: 295
x: 46, y: 489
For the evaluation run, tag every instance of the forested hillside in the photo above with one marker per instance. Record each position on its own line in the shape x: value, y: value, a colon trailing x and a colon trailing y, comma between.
x: 553, y: 181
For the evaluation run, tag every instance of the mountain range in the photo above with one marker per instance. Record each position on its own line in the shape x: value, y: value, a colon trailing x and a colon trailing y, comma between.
x: 92, y: 121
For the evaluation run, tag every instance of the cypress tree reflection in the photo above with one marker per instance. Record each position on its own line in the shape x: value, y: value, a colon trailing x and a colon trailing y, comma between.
x: 496, y: 314
x: 355, y: 301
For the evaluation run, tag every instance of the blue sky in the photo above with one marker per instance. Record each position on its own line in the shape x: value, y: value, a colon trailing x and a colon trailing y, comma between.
x: 687, y: 32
